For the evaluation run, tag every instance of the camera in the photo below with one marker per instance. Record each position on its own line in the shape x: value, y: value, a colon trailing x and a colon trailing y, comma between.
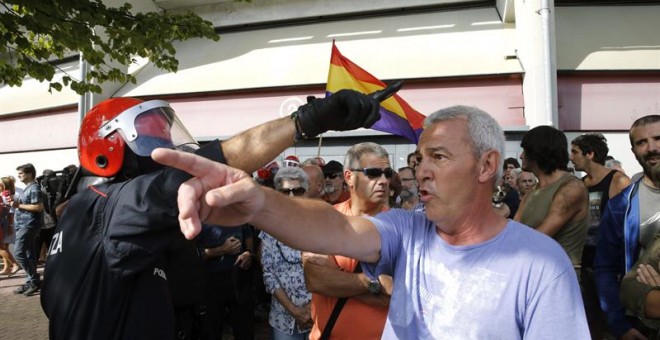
x: 55, y: 184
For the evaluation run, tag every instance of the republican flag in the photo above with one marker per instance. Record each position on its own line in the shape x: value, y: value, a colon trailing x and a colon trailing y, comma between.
x: 397, y: 117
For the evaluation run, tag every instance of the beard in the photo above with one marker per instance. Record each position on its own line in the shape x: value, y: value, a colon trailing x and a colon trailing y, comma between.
x: 329, y: 189
x: 651, y: 171
x: 654, y: 174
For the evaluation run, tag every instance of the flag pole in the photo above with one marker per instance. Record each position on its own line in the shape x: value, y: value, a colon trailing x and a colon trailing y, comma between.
x: 318, y: 153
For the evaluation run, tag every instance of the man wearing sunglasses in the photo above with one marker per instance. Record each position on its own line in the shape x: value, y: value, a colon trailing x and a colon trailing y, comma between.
x: 459, y: 271
x: 335, y: 191
x: 367, y: 172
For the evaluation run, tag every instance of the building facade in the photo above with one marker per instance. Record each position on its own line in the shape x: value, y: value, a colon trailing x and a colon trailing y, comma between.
x: 578, y: 65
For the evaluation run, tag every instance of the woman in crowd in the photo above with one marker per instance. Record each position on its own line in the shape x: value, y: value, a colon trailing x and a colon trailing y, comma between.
x: 7, y: 227
x: 290, y: 312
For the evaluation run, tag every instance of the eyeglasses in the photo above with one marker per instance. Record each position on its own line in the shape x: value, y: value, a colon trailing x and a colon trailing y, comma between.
x: 332, y: 175
x: 295, y: 191
x: 407, y: 179
x: 374, y: 173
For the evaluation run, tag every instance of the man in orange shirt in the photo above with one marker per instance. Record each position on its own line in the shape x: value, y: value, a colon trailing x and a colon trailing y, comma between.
x: 367, y: 172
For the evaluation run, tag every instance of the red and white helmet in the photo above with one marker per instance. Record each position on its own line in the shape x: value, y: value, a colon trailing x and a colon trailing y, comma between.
x: 115, y: 123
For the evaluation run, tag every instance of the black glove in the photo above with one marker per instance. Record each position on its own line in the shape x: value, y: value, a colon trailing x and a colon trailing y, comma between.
x: 344, y: 110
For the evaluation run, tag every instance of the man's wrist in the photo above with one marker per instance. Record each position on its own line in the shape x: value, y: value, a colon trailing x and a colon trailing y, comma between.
x: 300, y: 134
x: 373, y: 285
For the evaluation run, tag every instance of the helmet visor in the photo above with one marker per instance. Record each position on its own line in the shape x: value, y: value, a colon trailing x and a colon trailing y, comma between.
x: 150, y: 125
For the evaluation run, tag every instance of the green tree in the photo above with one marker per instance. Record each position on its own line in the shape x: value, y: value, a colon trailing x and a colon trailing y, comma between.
x: 34, y: 34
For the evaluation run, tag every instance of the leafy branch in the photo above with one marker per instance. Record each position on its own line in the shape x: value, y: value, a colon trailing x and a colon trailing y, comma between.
x: 35, y: 34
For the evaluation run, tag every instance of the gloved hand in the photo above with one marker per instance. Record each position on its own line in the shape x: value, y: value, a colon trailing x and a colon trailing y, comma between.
x: 344, y: 110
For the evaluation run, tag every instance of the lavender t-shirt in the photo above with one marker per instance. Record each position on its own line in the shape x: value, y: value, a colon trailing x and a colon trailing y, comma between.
x: 517, y: 285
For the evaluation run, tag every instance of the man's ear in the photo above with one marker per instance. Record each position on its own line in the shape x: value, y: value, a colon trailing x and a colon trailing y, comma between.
x: 348, y: 177
x: 488, y: 165
x: 590, y: 155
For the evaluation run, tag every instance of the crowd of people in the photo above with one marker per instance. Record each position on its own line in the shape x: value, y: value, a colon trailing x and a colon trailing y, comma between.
x: 574, y: 280
x: 459, y: 243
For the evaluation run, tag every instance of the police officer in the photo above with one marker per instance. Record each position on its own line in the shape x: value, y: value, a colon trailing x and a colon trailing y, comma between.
x: 105, y: 276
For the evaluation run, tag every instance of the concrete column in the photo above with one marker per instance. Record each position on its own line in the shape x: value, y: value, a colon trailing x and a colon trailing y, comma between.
x: 535, y: 32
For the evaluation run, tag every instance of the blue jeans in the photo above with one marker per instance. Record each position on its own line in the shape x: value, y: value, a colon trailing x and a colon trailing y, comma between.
x: 24, y: 253
x: 279, y: 335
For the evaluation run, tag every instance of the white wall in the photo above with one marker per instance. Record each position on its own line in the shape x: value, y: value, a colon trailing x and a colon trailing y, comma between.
x: 608, y: 38
x: 427, y: 45
x: 55, y: 160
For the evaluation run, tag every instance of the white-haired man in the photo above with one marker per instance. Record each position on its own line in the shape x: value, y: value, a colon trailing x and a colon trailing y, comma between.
x: 459, y: 271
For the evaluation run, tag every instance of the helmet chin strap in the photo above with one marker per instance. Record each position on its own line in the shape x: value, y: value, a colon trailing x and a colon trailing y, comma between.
x: 135, y: 165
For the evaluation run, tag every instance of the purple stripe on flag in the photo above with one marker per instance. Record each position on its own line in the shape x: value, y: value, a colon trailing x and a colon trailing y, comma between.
x: 394, y: 124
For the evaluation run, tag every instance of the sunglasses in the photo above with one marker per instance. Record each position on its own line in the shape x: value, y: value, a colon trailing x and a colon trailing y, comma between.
x: 374, y: 173
x: 295, y: 191
x: 331, y: 176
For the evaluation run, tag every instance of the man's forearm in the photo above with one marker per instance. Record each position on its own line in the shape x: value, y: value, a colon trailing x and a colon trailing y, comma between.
x: 30, y: 207
x: 652, y: 305
x: 380, y: 300
x: 317, y: 227
x: 215, y: 252
x: 283, y: 299
x: 333, y: 282
x: 253, y: 148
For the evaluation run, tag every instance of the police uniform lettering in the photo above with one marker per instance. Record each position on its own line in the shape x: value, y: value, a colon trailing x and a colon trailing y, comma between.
x: 55, y: 244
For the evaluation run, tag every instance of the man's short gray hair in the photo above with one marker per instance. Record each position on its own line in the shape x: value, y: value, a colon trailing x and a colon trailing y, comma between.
x: 353, y: 155
x: 291, y: 173
x: 484, y: 133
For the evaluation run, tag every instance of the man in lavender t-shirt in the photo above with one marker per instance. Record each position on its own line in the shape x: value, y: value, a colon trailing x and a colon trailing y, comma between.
x: 459, y: 270
x: 516, y: 285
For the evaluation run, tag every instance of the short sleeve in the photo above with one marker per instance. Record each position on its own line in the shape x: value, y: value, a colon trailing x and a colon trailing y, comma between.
x: 389, y: 225
x: 34, y: 196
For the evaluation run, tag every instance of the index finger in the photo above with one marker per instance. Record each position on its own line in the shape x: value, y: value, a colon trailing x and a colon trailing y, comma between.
x: 190, y: 163
x: 387, y: 92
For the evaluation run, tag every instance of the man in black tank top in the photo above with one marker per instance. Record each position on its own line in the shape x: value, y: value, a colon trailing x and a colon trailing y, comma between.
x: 588, y: 154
